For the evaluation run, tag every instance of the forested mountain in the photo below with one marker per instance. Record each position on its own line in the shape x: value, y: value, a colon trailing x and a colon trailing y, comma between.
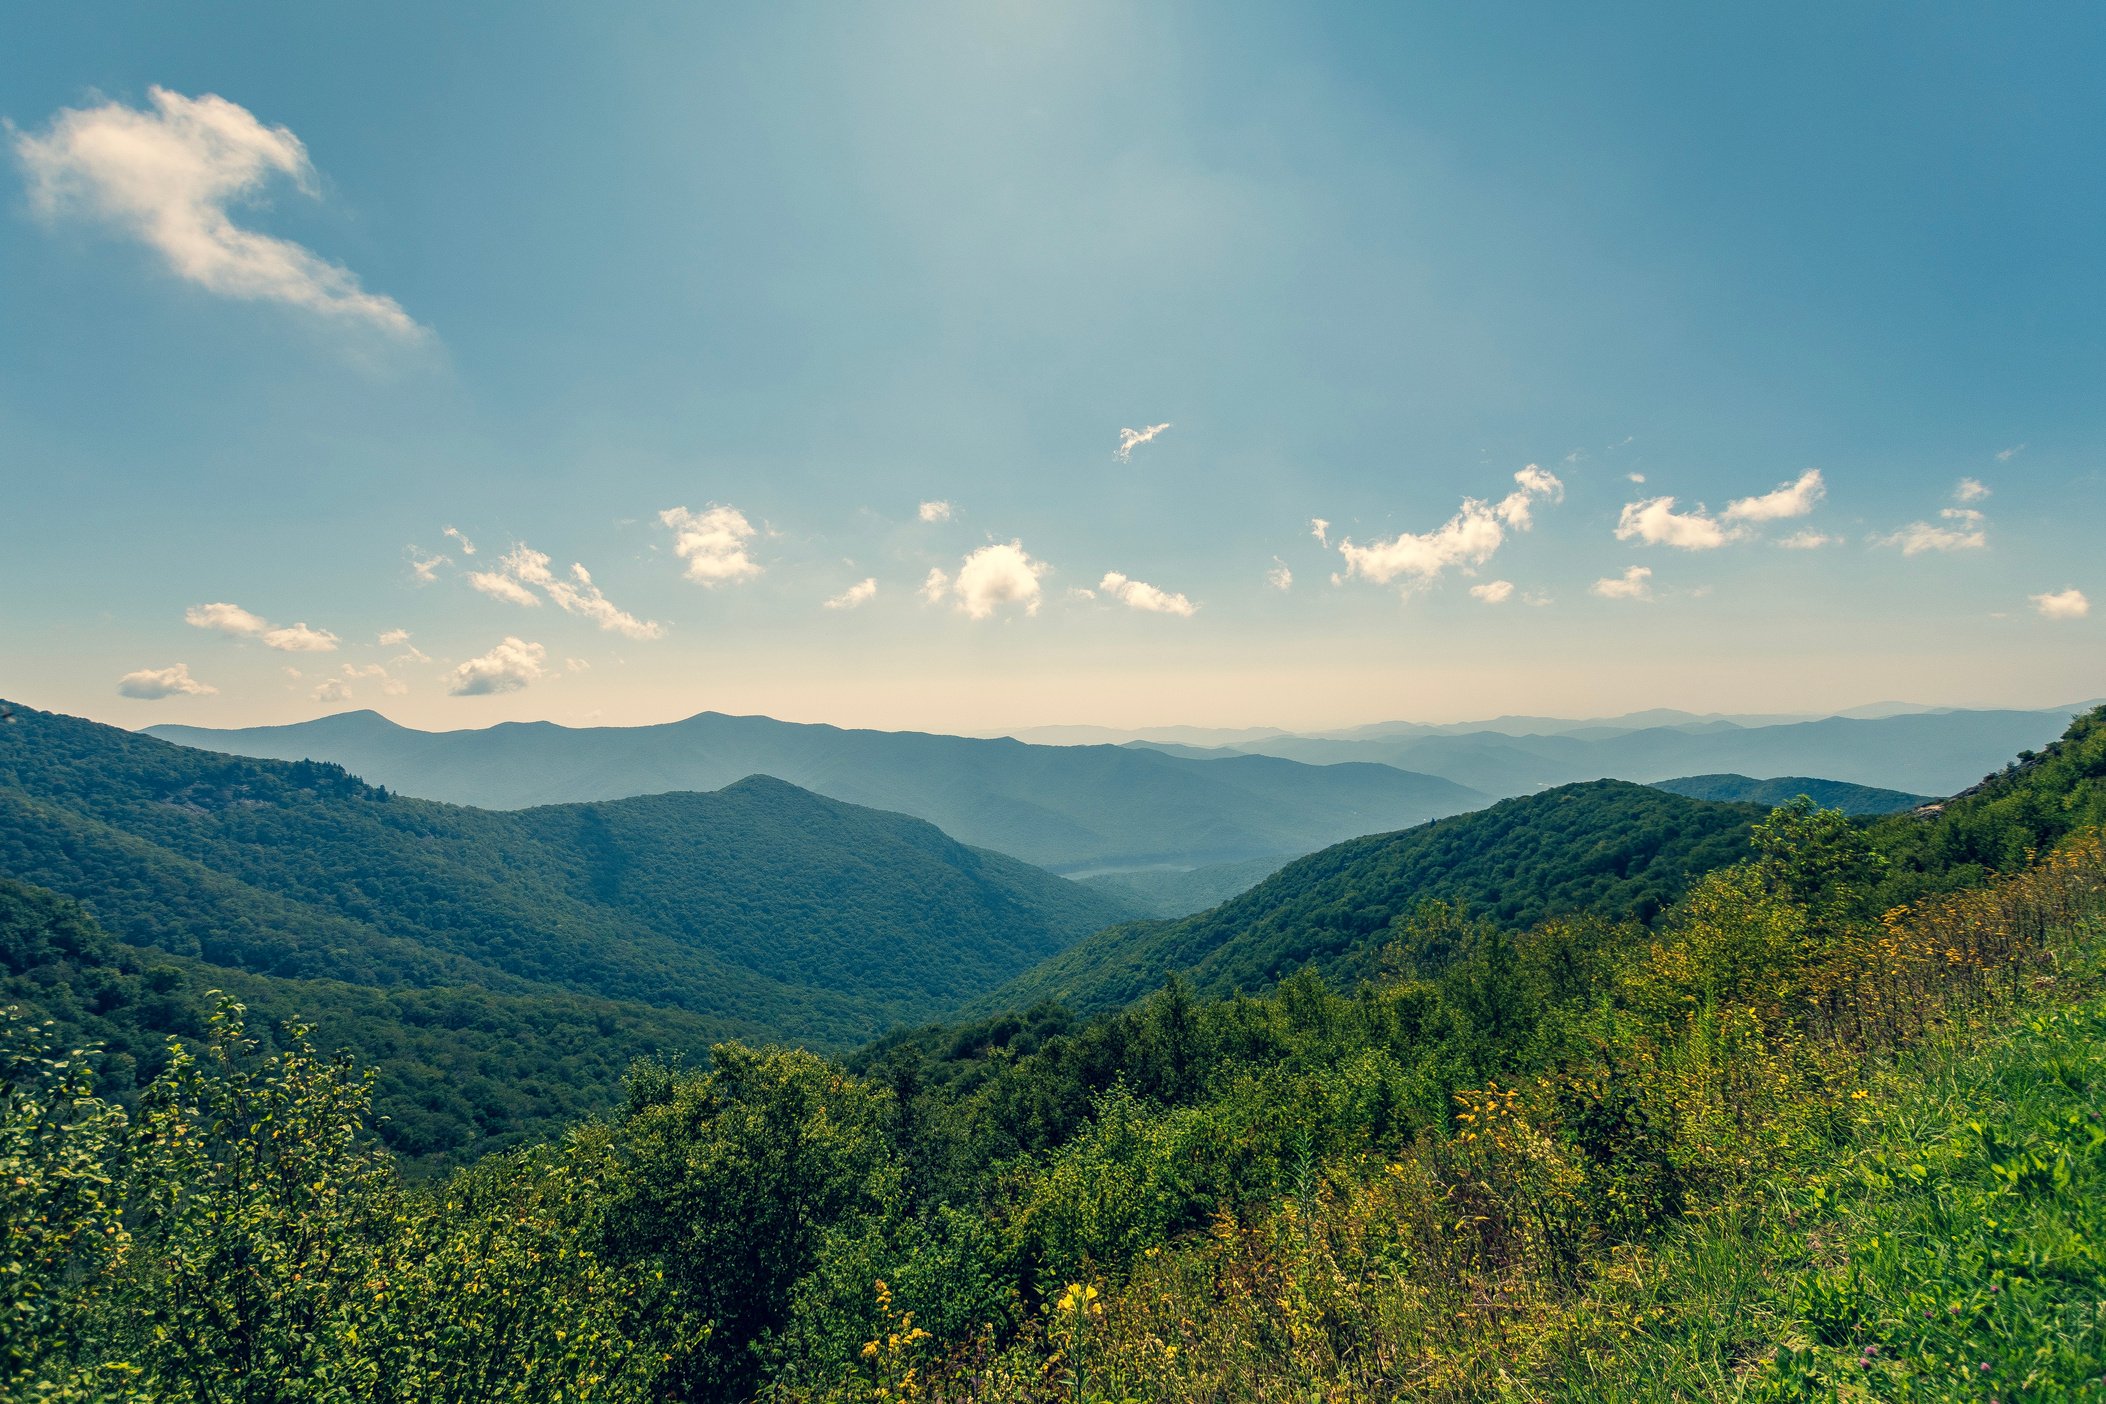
x: 1789, y: 1140
x: 1176, y: 892
x: 1857, y: 800
x: 792, y: 914
x: 1616, y: 850
x: 1070, y: 808
x: 460, y: 1070
x: 1931, y: 753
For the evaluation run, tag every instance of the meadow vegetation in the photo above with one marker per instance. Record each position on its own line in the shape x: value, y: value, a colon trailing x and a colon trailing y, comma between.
x: 1827, y: 1128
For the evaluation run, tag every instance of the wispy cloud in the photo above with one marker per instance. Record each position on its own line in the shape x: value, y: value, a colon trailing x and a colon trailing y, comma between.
x: 153, y: 684
x: 1139, y: 594
x: 523, y: 570
x: 1469, y: 538
x: 331, y: 690
x: 860, y: 593
x: 169, y: 175
x: 1279, y: 577
x: 222, y: 617
x: 935, y: 511
x: 1793, y: 499
x: 713, y: 543
x: 1493, y: 592
x: 467, y: 546
x: 2006, y: 455
x: 425, y: 568
x: 935, y: 585
x: 1131, y: 439
x: 1809, y: 541
x: 1919, y: 537
x: 393, y: 637
x: 1636, y: 583
x: 2062, y: 604
x: 1321, y: 530
x: 510, y: 666
x: 392, y: 686
x: 1973, y: 489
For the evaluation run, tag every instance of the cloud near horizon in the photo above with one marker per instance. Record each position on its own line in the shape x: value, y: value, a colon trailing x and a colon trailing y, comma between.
x: 510, y: 666
x: 168, y: 174
x: 222, y: 617
x: 1139, y: 594
x: 1634, y: 584
x: 153, y: 684
x: 860, y: 593
x: 713, y: 543
x: 1467, y: 539
x: 2062, y: 604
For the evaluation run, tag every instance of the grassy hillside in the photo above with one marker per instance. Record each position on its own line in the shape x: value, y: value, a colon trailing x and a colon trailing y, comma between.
x: 1062, y: 807
x: 1616, y: 850
x: 1856, y: 800
x: 760, y: 903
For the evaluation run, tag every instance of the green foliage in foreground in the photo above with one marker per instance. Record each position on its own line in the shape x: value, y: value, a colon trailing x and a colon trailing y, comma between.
x: 1739, y: 1153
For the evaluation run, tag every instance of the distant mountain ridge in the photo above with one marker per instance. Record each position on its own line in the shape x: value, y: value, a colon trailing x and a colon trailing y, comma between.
x: 775, y: 911
x: 1061, y: 807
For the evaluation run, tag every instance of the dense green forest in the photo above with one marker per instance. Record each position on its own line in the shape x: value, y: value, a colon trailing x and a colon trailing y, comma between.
x: 1789, y: 1140
x: 794, y: 916
x: 1605, y: 848
x: 1851, y: 799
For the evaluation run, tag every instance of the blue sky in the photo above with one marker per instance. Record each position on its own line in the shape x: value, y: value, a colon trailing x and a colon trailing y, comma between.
x: 710, y: 301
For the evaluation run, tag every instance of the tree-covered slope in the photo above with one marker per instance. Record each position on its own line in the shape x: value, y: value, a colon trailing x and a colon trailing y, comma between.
x: 459, y: 1070
x: 811, y: 919
x: 1607, y: 848
x: 1852, y: 799
x: 1070, y: 808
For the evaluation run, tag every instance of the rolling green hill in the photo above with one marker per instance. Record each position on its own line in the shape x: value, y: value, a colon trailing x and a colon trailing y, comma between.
x: 1606, y: 848
x: 1828, y: 794
x: 794, y: 916
x: 1068, y: 808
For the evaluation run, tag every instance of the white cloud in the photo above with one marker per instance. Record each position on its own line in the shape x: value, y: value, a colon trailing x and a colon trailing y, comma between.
x: 1793, y: 499
x: 500, y: 586
x: 510, y: 666
x: 1634, y: 584
x: 1321, y: 530
x: 411, y: 654
x: 298, y: 638
x: 332, y: 690
x: 2062, y: 604
x: 1533, y: 482
x: 1918, y: 537
x: 425, y: 568
x: 467, y: 546
x: 2006, y: 455
x: 1974, y: 489
x: 859, y: 593
x: 935, y: 511
x: 1809, y: 541
x: 1131, y: 439
x: 226, y: 618
x: 1493, y: 591
x: 995, y: 575
x: 1468, y: 539
x: 1279, y: 577
x: 935, y: 586
x: 713, y: 543
x: 1655, y: 522
x: 168, y: 175
x: 523, y: 566
x: 393, y: 687
x: 153, y: 684
x: 1138, y: 594
x: 1634, y: 477
x: 393, y: 637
